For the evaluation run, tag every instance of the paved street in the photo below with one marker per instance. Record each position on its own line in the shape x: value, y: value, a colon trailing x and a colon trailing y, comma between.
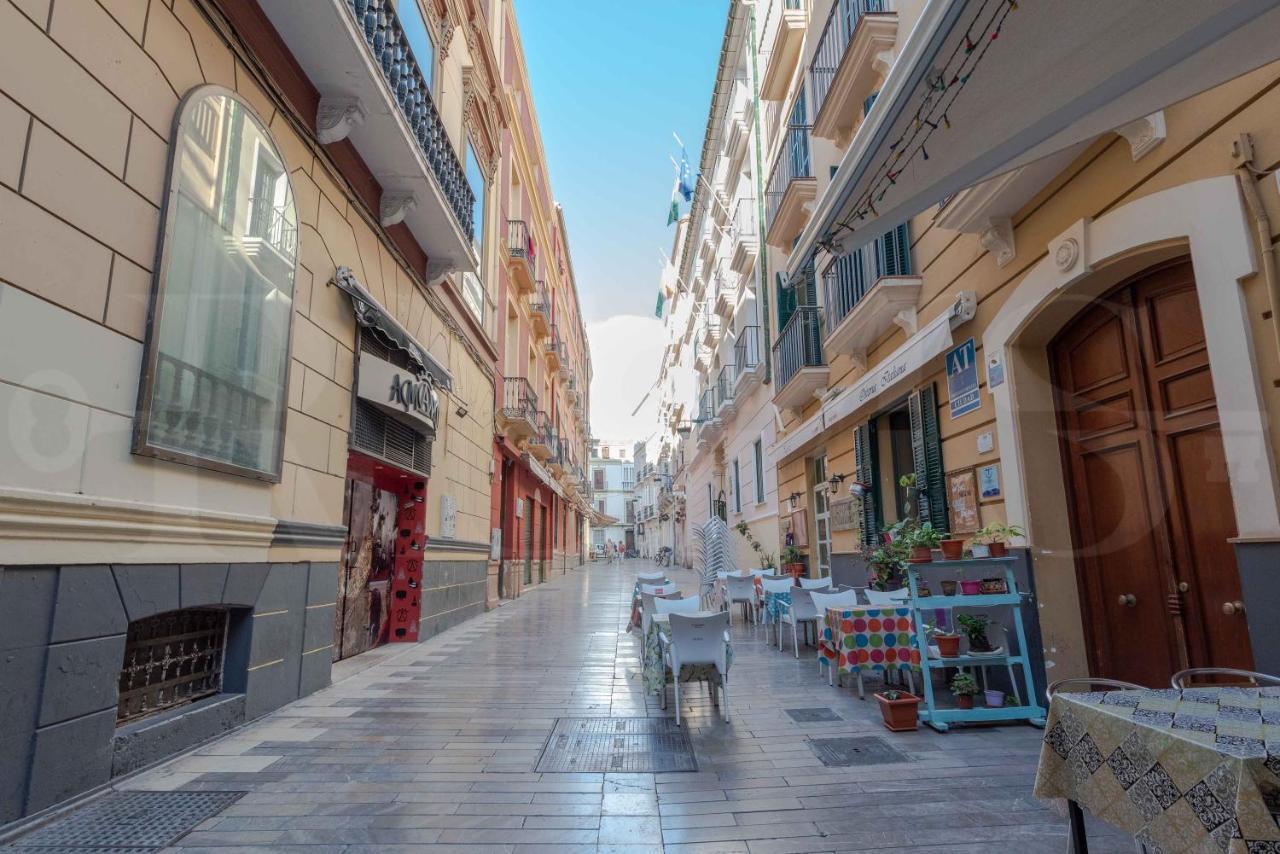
x: 434, y: 747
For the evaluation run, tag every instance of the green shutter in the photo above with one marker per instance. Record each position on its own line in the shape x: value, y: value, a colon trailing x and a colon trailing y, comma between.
x: 926, y: 450
x: 893, y: 252
x: 786, y: 301
x: 864, y: 471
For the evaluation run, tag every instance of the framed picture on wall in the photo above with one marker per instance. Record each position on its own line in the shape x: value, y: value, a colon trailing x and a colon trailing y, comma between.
x: 800, y: 528
x: 962, y: 495
x: 846, y: 514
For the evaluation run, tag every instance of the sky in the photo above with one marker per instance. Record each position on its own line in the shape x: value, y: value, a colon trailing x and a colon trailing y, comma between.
x: 611, y: 81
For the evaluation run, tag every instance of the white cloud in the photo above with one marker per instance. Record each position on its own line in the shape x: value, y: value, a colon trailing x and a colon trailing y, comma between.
x: 626, y: 352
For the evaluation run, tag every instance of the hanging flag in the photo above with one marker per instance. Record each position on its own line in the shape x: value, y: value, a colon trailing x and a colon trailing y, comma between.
x: 674, y: 213
x: 686, y: 177
x: 662, y: 298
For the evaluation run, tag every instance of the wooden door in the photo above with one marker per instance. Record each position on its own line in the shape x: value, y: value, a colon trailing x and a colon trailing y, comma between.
x: 1152, y: 513
x: 364, y: 577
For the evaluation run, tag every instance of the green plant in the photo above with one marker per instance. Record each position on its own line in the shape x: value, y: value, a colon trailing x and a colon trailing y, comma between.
x: 998, y: 532
x: 891, y: 695
x: 964, y: 685
x: 974, y: 627
x: 767, y: 560
x: 888, y: 563
x: 924, y: 536
x: 745, y: 530
x: 932, y: 629
x: 907, y: 480
x: 791, y: 554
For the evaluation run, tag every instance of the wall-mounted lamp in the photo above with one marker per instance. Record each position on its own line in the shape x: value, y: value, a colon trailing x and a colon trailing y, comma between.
x: 833, y: 485
x: 793, y: 498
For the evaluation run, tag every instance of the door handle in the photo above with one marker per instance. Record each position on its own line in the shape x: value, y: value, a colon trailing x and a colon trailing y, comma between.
x: 1231, y: 608
x: 1128, y: 599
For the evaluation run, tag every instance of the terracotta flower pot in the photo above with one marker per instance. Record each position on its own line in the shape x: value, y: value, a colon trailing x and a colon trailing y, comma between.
x: 952, y: 549
x: 795, y: 570
x: 964, y: 701
x: 999, y: 550
x: 900, y: 714
x: 970, y: 587
x: 949, y: 588
x: 921, y: 554
x: 948, y: 645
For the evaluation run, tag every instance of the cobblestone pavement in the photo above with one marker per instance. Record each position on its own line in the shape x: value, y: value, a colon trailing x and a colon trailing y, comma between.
x: 433, y: 748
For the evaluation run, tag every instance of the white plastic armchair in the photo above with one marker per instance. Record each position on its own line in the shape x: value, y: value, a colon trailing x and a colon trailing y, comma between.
x: 815, y: 583
x: 654, y: 576
x: 887, y: 598
x: 740, y: 590
x: 687, y: 605
x: 776, y: 585
x: 802, y: 609
x: 700, y: 639
x: 656, y: 589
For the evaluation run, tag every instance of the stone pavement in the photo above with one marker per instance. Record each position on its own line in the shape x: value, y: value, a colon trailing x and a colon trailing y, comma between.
x: 433, y: 746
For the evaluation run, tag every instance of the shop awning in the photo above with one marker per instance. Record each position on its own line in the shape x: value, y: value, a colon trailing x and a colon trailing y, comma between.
x: 982, y: 87
x: 388, y: 330
x: 885, y: 380
x: 542, y: 474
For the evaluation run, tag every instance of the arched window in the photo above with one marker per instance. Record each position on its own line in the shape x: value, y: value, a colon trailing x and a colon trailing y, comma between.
x: 213, y: 389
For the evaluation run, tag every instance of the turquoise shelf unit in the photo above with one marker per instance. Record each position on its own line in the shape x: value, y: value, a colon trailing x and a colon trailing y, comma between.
x: 941, y: 719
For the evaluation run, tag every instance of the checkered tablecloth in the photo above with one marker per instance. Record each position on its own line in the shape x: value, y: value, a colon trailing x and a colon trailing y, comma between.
x: 1196, y: 769
x: 878, y: 639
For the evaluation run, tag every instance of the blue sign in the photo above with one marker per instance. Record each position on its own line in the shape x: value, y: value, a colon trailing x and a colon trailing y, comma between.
x: 962, y: 379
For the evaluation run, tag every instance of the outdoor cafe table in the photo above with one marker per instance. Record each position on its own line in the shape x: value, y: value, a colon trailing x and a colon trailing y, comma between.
x: 872, y: 638
x: 656, y: 676
x: 1193, y: 769
x: 637, y: 602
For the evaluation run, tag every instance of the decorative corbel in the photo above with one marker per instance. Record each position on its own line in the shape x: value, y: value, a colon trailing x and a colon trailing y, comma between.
x: 859, y: 360
x: 439, y: 267
x: 997, y: 237
x: 907, y: 320
x: 1144, y: 134
x: 395, y: 207
x: 336, y: 118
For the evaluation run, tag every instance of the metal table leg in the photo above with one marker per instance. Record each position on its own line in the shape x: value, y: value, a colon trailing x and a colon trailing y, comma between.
x: 1077, y: 843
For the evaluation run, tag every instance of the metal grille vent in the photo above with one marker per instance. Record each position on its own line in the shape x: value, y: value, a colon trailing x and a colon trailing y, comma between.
x: 127, y: 822
x: 644, y: 745
x: 381, y: 436
x: 170, y: 660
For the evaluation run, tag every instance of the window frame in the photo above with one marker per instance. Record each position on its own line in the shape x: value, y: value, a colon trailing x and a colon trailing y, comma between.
x: 142, y: 445
x: 758, y: 459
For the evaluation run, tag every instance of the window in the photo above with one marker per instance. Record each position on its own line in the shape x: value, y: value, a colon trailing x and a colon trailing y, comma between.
x: 737, y: 487
x: 415, y: 30
x: 213, y: 388
x: 758, y: 450
x: 597, y: 478
x: 171, y: 659
x: 472, y: 287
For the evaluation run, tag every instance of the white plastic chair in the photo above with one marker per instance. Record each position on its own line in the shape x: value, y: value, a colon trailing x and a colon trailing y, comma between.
x: 741, y: 590
x: 651, y: 576
x: 699, y: 639
x: 822, y: 602
x: 887, y: 598
x: 776, y: 585
x: 1189, y: 678
x: 801, y: 610
x: 815, y: 583
x: 656, y: 589
x: 677, y: 606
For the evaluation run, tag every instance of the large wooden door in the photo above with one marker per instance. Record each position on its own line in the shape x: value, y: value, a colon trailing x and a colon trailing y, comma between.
x: 364, y: 576
x: 1152, y: 512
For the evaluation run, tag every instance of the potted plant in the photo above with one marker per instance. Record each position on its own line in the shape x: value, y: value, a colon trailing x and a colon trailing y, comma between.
x: 997, y: 536
x: 911, y: 495
x: 994, y: 699
x: 793, y: 561
x: 887, y: 564
x: 974, y: 627
x: 948, y: 642
x: 964, y: 687
x: 970, y: 586
x: 898, y: 708
x: 949, y: 587
x: 952, y: 548
x: 922, y: 540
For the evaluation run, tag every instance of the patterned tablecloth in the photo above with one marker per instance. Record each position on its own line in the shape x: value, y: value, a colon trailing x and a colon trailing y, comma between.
x: 656, y: 674
x: 773, y: 603
x: 872, y: 638
x: 637, y: 602
x: 1181, y: 770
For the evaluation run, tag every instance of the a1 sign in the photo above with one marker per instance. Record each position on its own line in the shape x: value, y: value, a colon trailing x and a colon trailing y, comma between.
x: 962, y: 379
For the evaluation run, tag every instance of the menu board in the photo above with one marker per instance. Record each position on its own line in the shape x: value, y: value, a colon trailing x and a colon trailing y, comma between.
x: 846, y: 514
x: 962, y: 493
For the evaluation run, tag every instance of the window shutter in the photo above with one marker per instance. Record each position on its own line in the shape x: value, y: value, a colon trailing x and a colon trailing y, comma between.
x: 786, y: 301
x: 864, y: 472
x: 893, y: 252
x: 926, y: 450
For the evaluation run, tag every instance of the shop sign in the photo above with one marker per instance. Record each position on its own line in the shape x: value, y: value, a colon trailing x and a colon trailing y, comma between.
x: 398, y: 392
x: 962, y: 379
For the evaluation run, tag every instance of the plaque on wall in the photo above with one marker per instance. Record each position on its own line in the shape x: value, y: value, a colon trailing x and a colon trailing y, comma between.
x: 962, y: 491
x: 800, y: 528
x: 846, y: 514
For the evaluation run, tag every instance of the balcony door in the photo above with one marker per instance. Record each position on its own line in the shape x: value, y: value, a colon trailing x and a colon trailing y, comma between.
x: 821, y: 521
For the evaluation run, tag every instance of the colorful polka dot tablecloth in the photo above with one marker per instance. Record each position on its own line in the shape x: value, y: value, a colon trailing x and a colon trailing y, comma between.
x: 878, y: 639
x: 1190, y: 770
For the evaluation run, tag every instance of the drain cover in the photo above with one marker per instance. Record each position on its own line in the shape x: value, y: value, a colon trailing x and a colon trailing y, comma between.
x: 645, y: 745
x: 128, y: 822
x: 813, y: 716
x: 845, y: 752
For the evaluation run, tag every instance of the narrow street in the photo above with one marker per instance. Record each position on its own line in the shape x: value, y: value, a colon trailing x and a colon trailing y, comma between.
x: 434, y: 746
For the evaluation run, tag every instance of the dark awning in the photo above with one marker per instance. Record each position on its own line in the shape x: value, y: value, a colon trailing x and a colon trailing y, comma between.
x: 388, y: 330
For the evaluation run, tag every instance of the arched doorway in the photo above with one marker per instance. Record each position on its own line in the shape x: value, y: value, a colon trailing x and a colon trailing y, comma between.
x: 1150, y: 500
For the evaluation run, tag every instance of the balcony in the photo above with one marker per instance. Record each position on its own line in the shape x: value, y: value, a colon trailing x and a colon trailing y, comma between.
x: 522, y: 256
x: 711, y: 330
x: 746, y: 356
x: 543, y: 439
x: 791, y: 189
x: 566, y: 364
x: 867, y: 292
x: 746, y: 237
x: 373, y: 92
x: 702, y: 359
x: 854, y: 53
x: 725, y: 406
x: 797, y: 357
x: 518, y: 415
x: 553, y: 348
x: 540, y: 310
x: 711, y: 428
x: 784, y: 51
x: 726, y: 298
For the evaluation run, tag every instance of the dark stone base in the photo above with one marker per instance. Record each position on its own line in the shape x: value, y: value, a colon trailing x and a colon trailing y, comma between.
x: 1259, y: 564
x: 453, y: 592
x: 147, y: 741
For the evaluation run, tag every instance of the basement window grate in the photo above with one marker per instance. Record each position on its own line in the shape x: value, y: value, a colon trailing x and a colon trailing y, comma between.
x: 171, y: 659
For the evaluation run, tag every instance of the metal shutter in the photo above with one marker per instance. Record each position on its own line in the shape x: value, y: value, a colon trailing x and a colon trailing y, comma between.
x: 926, y: 449
x: 864, y: 471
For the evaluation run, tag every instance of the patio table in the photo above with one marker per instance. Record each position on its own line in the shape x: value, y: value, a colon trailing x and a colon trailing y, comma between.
x: 637, y: 602
x: 869, y: 638
x: 1181, y: 770
x: 656, y: 675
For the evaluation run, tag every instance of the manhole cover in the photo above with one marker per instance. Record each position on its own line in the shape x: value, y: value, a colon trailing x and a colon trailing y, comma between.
x: 128, y: 822
x: 645, y: 745
x: 844, y: 752
x: 813, y: 716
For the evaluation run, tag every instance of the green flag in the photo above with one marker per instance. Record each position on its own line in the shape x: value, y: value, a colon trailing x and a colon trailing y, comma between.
x: 662, y: 298
x: 674, y: 213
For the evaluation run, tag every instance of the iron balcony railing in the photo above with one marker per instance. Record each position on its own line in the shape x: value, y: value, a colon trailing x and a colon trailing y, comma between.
x: 272, y: 224
x: 799, y: 345
x: 387, y: 41
x: 793, y: 162
x: 538, y: 302
x: 746, y: 349
x: 724, y: 387
x: 518, y: 399
x: 744, y: 218
x: 554, y: 344
x: 836, y: 35
x: 849, y: 278
x: 707, y: 405
x: 519, y: 241
x: 543, y: 432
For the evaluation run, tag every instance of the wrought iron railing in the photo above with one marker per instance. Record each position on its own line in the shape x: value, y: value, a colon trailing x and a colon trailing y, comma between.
x: 799, y: 345
x: 538, y: 301
x: 170, y: 660
x: 746, y: 349
x: 202, y: 413
x: 387, y: 41
x: 271, y: 223
x: 707, y: 405
x: 845, y: 283
x: 724, y: 386
x: 744, y: 218
x: 519, y: 241
x: 836, y: 35
x: 793, y: 162
x: 518, y: 399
